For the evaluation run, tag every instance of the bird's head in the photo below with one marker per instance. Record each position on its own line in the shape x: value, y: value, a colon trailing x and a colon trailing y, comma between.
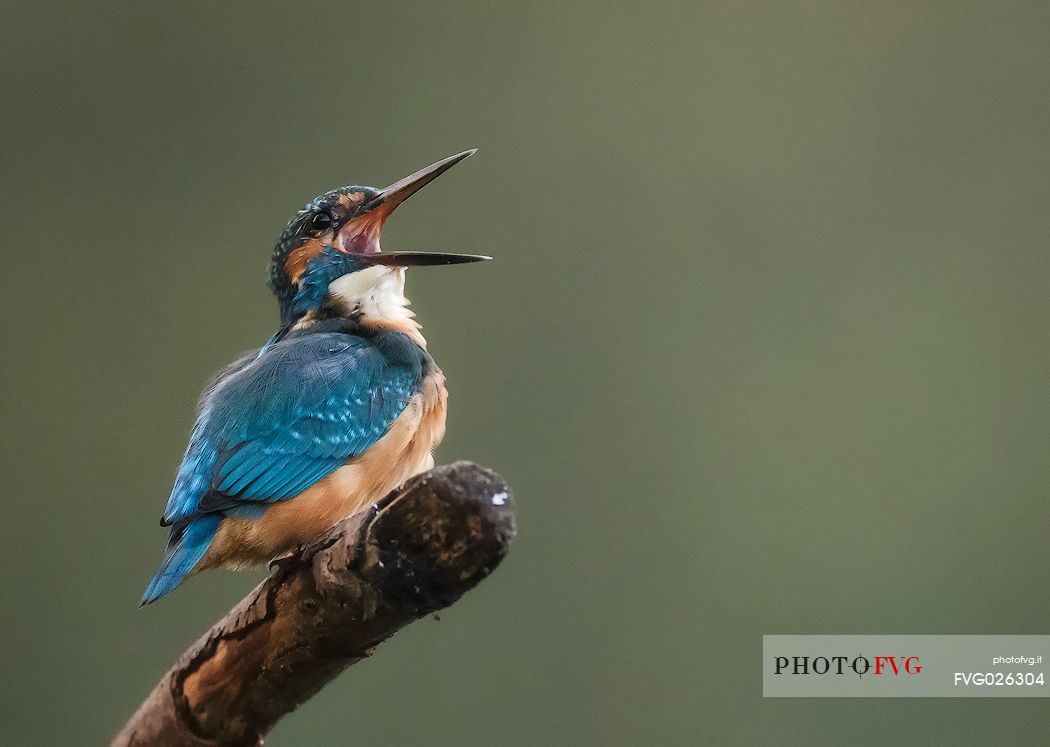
x: 329, y: 254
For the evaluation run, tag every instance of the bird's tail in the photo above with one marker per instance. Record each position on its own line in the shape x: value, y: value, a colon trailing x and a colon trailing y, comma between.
x: 185, y: 550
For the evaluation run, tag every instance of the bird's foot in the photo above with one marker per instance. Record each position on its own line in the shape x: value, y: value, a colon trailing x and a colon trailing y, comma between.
x: 286, y: 561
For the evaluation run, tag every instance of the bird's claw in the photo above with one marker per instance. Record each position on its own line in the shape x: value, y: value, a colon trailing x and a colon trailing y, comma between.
x: 289, y: 559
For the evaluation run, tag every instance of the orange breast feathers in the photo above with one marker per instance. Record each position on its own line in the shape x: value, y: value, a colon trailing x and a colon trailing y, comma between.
x: 404, y: 451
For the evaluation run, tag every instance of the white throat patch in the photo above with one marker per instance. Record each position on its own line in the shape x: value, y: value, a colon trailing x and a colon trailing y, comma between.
x: 376, y: 292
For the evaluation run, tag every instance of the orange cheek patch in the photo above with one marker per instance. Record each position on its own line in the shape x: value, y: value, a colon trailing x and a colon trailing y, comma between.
x: 297, y: 260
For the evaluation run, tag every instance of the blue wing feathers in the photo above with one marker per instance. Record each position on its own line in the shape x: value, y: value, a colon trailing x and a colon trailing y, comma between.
x: 270, y: 428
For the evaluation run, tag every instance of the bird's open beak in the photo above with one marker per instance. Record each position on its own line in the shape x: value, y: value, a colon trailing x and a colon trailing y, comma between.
x: 390, y: 197
x: 361, y: 235
x: 421, y: 259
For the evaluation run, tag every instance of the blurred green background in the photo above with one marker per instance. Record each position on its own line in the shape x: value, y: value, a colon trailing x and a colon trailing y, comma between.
x: 764, y: 348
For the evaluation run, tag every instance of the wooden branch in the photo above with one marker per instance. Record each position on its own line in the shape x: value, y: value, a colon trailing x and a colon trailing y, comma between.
x: 415, y: 552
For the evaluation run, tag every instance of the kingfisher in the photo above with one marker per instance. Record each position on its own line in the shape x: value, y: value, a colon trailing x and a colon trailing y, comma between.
x: 342, y: 405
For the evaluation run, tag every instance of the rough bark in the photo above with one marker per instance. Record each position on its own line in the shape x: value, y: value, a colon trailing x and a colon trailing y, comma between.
x: 328, y: 606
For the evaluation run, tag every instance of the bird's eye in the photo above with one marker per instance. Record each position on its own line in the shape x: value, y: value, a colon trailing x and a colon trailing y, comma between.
x: 321, y: 222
